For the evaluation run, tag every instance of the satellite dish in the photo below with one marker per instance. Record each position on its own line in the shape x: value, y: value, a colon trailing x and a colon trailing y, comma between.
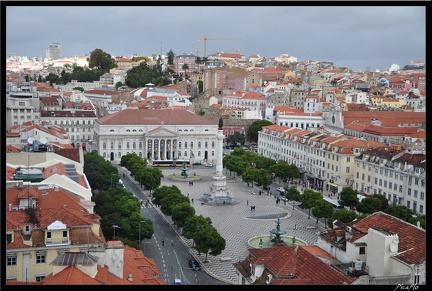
x: 30, y: 140
x: 395, y: 240
x: 43, y: 140
x: 393, y: 247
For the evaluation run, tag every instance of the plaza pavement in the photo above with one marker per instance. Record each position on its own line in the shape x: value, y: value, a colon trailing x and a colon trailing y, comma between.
x: 237, y: 223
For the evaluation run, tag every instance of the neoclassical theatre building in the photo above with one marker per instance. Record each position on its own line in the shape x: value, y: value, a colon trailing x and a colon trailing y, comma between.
x: 156, y: 135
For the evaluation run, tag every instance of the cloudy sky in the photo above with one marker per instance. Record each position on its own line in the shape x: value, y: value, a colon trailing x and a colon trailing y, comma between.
x: 356, y: 37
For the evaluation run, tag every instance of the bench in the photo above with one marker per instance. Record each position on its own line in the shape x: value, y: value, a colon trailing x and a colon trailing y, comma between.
x: 310, y: 227
x: 225, y: 259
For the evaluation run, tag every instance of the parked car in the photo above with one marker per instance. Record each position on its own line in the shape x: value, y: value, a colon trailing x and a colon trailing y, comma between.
x: 208, y: 164
x: 283, y: 198
x: 194, y: 265
x: 281, y: 189
x: 266, y: 187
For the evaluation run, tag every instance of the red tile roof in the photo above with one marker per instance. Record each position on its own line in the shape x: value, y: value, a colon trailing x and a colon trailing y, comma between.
x: 153, y: 117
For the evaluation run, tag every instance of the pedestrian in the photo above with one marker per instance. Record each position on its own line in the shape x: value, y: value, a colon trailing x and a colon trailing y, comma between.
x: 123, y: 175
x: 251, y: 207
x: 188, y: 194
x: 224, y: 203
x: 141, y: 202
x: 163, y: 242
x: 247, y: 202
x: 192, y: 200
x: 295, y: 226
x: 172, y: 243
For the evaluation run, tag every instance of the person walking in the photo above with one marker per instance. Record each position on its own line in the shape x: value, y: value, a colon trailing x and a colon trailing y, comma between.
x: 247, y: 202
x: 163, y: 242
x: 172, y: 243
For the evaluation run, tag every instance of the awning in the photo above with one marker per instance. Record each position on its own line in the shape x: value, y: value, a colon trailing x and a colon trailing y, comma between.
x: 333, y: 184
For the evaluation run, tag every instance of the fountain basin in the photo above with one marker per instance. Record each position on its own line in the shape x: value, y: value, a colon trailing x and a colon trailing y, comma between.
x: 267, y: 243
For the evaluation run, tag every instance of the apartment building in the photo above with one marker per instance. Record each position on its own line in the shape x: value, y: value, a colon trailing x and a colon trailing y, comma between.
x: 397, y: 173
x: 325, y: 160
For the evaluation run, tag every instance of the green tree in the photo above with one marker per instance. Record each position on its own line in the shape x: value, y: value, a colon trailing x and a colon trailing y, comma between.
x: 344, y: 215
x: 348, y: 197
x: 170, y: 56
x: 369, y: 205
x: 263, y: 177
x: 322, y: 209
x: 399, y: 211
x: 282, y: 170
x: 181, y: 212
x: 308, y: 199
x: 52, y: 79
x: 162, y: 192
x: 208, y: 240
x: 78, y: 89
x: 194, y: 225
x: 293, y: 194
x: 236, y: 138
x: 185, y: 67
x: 101, y: 60
x: 249, y: 175
x: 383, y: 199
x: 118, y: 85
x: 255, y: 127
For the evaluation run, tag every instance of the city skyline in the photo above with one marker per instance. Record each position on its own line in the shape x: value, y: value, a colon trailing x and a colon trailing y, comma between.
x: 360, y: 37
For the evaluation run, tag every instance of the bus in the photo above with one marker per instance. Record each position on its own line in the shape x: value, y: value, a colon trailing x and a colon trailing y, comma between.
x: 334, y: 203
x: 170, y: 163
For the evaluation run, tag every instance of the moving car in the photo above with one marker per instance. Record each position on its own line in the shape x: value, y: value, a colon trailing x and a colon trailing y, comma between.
x: 281, y: 189
x: 208, y: 164
x: 194, y: 265
x: 177, y: 281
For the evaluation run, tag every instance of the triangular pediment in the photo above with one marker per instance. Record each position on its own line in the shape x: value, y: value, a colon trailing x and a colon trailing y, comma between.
x: 161, y: 132
x: 56, y: 225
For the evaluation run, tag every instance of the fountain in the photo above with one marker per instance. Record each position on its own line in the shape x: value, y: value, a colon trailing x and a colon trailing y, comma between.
x: 277, y: 232
x: 184, y: 169
x: 276, y: 235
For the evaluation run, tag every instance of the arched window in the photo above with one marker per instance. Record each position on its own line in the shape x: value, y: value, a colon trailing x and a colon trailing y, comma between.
x: 199, y: 153
x: 199, y: 144
x: 134, y: 145
x: 104, y: 154
x: 185, y: 144
x: 213, y: 143
x: 127, y: 145
x: 212, y: 153
x: 179, y: 144
x: 206, y: 144
x: 191, y: 144
x: 104, y: 145
x: 111, y: 130
x: 112, y: 145
x: 119, y: 145
x: 119, y: 155
x: 185, y: 153
x: 127, y: 130
x: 140, y: 154
x: 140, y: 145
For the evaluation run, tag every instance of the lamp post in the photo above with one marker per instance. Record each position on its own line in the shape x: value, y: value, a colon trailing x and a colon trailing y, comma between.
x: 115, y: 226
x: 139, y: 235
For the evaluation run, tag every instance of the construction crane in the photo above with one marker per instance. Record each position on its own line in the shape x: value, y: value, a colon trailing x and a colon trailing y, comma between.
x: 198, y: 51
x: 205, y: 39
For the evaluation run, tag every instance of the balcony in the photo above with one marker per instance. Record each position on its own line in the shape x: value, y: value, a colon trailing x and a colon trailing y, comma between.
x: 57, y: 241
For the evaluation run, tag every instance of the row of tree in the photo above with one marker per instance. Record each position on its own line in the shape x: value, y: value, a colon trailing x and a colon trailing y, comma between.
x: 176, y: 205
x: 114, y: 204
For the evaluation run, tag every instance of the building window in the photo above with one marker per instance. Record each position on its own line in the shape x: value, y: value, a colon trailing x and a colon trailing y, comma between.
x: 199, y: 144
x: 11, y: 259
x: 104, y: 145
x: 199, y: 153
x: 347, y: 169
x: 185, y: 153
x: 39, y: 277
x: 179, y: 144
x: 127, y: 145
x: 134, y: 145
x: 191, y: 144
x: 213, y: 144
x: 362, y: 250
x: 112, y: 145
x: 140, y: 145
x: 40, y: 257
x: 119, y: 145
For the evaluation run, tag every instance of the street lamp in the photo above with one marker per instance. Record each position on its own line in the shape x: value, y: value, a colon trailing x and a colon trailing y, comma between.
x: 115, y: 226
x: 139, y: 235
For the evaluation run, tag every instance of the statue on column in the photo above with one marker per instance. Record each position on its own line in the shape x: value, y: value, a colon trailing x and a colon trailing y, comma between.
x: 220, y: 123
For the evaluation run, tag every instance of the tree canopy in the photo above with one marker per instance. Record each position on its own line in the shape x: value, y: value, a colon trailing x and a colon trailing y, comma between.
x: 255, y: 127
x: 101, y: 60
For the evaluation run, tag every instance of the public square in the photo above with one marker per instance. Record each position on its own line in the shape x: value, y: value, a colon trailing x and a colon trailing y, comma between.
x: 237, y: 222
